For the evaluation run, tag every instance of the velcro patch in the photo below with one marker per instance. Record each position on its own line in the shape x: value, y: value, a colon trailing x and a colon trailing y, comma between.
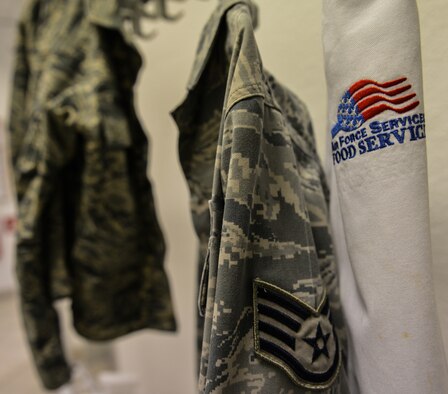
x: 297, y: 338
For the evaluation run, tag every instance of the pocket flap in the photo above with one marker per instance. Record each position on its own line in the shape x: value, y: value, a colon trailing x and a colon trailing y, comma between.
x: 203, y: 286
x: 116, y: 129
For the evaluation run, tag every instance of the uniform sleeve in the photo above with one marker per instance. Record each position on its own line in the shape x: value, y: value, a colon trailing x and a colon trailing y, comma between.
x: 17, y: 119
x: 378, y: 175
x: 41, y: 144
x: 43, y: 152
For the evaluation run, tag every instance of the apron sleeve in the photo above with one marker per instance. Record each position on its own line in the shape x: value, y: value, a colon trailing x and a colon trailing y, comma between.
x: 379, y: 202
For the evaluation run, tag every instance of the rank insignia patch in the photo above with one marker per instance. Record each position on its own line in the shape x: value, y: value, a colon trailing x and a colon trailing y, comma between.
x: 297, y: 338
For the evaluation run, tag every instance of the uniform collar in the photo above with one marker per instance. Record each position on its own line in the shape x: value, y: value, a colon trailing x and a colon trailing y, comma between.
x: 209, y: 35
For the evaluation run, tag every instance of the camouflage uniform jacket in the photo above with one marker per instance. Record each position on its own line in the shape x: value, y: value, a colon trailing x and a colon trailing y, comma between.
x: 87, y: 224
x: 269, y: 290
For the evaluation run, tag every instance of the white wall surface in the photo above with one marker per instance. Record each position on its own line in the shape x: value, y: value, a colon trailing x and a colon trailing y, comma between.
x: 8, y: 15
x: 290, y: 44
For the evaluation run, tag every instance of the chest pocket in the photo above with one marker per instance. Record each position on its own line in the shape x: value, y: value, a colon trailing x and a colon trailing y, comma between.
x: 116, y: 129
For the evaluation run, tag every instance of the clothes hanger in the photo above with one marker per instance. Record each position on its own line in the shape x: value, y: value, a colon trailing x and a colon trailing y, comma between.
x: 131, y: 12
x: 161, y: 10
x: 134, y: 11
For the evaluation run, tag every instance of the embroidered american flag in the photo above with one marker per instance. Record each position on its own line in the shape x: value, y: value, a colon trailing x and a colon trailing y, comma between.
x: 368, y: 98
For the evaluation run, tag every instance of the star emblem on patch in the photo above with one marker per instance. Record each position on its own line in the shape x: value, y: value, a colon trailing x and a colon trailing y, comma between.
x: 318, y: 343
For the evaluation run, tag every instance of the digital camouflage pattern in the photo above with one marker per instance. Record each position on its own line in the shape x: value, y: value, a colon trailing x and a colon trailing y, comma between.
x: 87, y: 224
x: 269, y: 289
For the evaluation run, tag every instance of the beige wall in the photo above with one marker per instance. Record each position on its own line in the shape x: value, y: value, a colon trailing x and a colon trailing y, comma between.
x: 434, y: 30
x: 290, y: 44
